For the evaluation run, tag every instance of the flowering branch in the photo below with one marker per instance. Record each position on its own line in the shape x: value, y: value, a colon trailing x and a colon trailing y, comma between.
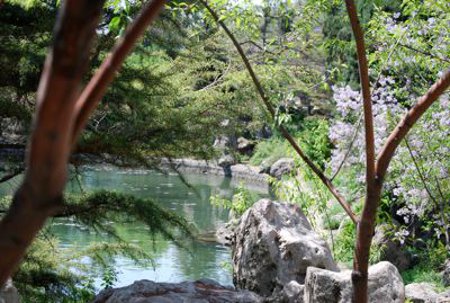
x: 375, y: 171
x: 404, y: 126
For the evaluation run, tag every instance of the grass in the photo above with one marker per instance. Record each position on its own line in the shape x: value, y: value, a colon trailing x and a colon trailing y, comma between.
x: 423, y: 273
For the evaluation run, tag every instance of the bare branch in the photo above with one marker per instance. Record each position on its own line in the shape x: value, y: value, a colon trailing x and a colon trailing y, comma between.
x: 366, y: 225
x: 443, y: 59
x: 350, y: 147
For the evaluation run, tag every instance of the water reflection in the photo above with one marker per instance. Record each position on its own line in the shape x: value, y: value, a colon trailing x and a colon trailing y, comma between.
x: 171, y: 263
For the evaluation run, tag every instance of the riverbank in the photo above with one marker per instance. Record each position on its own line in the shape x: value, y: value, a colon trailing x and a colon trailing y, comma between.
x: 238, y: 172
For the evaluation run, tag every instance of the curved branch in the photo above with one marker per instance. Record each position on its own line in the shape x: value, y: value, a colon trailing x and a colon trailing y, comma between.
x: 271, y: 110
x: 404, y: 126
x: 96, y: 88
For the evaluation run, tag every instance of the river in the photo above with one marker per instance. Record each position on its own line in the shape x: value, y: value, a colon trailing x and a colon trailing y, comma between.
x: 170, y: 262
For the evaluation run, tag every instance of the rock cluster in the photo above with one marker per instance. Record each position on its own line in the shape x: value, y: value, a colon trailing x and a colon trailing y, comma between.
x: 278, y: 258
x: 277, y: 255
x: 323, y: 286
x: 425, y: 293
x: 274, y: 245
x: 282, y: 167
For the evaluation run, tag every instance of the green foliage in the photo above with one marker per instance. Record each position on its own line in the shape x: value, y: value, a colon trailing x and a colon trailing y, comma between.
x: 242, y: 200
x: 46, y: 275
x: 49, y: 274
x: 423, y: 273
x: 109, y: 205
x: 312, y: 135
x: 269, y: 151
x: 314, y: 140
x: 109, y: 277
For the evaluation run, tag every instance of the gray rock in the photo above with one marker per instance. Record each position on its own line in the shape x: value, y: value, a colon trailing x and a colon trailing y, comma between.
x: 446, y: 273
x: 421, y: 293
x: 225, y: 233
x: 318, y: 111
x: 443, y: 297
x: 282, y: 167
x: 273, y: 245
x: 222, y: 143
x: 324, y: 286
x: 8, y: 293
x: 245, y: 146
x: 293, y: 292
x: 226, y: 161
x: 201, y: 291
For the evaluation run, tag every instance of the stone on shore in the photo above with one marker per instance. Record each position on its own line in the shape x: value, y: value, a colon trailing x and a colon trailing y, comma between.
x: 324, y: 286
x: 201, y: 291
x: 274, y: 245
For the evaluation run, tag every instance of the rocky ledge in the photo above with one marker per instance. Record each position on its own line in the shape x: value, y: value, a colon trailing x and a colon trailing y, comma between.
x: 201, y: 291
x: 218, y: 168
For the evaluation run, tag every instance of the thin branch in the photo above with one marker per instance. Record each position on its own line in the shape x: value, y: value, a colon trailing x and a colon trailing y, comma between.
x: 424, y: 53
x: 438, y: 186
x: 96, y: 88
x: 411, y: 117
x: 272, y: 112
x: 350, y: 147
x: 427, y: 189
x: 419, y: 172
x: 217, y: 79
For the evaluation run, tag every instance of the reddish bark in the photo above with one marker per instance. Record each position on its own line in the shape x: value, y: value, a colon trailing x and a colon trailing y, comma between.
x: 96, y: 88
x: 376, y: 171
x: 59, y: 118
x: 366, y: 224
x: 49, y: 146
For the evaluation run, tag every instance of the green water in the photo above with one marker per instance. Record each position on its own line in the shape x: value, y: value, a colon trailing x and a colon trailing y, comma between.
x: 171, y: 263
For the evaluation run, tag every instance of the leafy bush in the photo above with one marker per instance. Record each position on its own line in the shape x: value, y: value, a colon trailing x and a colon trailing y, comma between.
x: 242, y: 200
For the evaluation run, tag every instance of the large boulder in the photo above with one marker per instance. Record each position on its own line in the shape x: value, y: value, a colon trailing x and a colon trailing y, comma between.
x: 8, y: 293
x: 421, y: 293
x: 324, y: 286
x: 282, y: 167
x: 202, y: 291
x: 274, y: 244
